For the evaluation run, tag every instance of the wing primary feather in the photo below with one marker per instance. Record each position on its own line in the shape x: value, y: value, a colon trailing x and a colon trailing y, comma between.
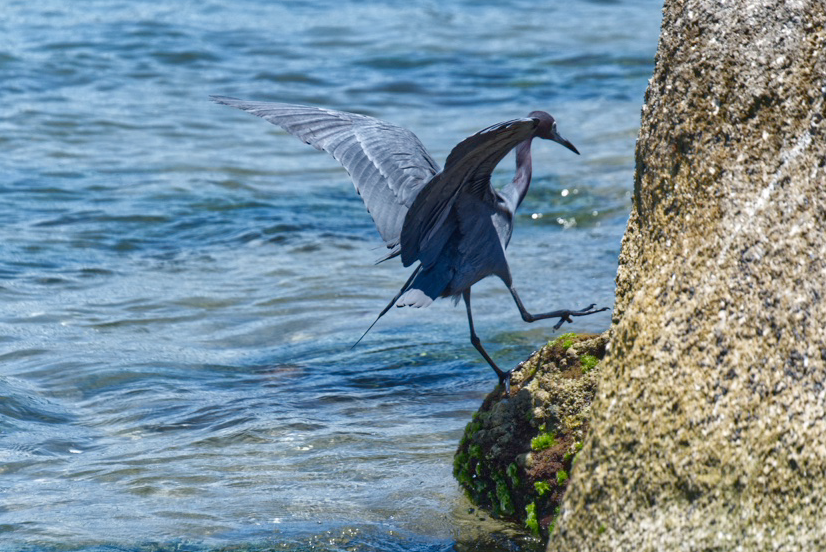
x: 388, y: 164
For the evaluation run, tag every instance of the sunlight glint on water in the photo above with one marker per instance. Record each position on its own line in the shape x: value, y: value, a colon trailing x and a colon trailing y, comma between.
x: 180, y: 283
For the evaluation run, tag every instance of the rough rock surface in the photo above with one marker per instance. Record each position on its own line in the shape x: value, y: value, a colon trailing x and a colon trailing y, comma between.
x: 514, y: 458
x: 709, y: 425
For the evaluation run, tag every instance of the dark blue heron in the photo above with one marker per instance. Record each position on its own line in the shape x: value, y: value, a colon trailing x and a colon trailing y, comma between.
x: 452, y: 221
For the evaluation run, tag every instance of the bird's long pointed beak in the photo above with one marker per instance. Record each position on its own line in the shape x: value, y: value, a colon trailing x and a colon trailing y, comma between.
x: 560, y: 140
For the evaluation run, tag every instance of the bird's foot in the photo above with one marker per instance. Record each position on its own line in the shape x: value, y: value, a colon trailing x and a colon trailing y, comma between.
x: 566, y: 316
x: 505, y: 380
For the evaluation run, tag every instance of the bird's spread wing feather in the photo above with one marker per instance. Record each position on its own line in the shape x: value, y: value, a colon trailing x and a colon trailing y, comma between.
x: 467, y: 170
x: 388, y: 164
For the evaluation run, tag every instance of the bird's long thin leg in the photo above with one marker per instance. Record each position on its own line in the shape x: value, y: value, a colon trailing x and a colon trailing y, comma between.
x: 564, y: 315
x: 504, y: 377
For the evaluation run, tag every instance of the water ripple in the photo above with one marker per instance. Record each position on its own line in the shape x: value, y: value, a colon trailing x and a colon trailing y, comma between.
x: 181, y: 284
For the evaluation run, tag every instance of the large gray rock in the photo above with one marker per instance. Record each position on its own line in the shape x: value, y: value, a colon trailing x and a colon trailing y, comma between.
x: 709, y: 425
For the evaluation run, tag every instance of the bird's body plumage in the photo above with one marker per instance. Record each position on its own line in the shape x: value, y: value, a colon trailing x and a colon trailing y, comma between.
x: 451, y: 221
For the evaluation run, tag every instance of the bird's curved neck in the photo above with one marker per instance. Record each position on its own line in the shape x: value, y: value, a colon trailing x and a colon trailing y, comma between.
x: 518, y: 189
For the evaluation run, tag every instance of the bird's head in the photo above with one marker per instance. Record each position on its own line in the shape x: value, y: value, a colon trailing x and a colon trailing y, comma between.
x: 547, y: 130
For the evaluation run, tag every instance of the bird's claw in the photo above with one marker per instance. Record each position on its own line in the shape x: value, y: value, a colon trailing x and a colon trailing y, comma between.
x: 562, y: 320
x: 586, y: 311
x: 505, y: 381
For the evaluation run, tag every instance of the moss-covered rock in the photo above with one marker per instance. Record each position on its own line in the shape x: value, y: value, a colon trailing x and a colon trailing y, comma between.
x: 516, y: 453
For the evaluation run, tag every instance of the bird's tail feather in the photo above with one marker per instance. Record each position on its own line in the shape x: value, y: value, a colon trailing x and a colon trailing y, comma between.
x: 390, y: 304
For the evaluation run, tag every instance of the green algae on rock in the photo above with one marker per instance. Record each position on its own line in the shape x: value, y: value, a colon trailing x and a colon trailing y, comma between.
x: 517, y: 451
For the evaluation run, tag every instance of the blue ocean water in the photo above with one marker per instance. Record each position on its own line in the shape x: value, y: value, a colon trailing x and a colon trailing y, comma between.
x: 180, y: 282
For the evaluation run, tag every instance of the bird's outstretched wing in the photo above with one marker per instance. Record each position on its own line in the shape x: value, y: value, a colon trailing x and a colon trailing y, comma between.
x: 388, y: 164
x: 467, y: 169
